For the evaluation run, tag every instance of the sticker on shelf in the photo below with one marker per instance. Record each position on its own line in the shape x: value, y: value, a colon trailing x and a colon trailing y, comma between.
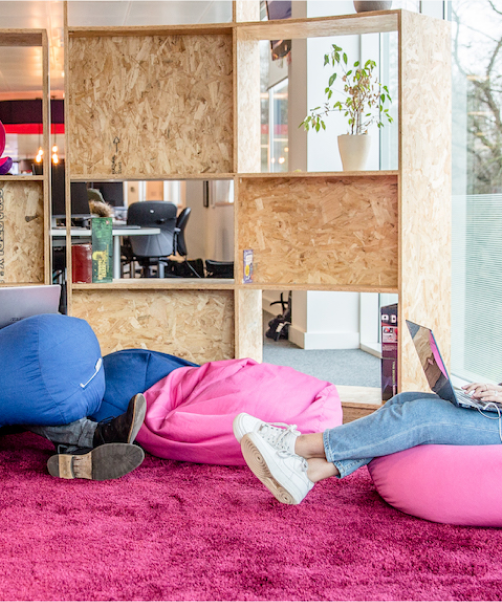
x: 248, y: 266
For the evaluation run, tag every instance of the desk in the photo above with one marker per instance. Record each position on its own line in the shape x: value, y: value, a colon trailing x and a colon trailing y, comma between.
x: 117, y: 232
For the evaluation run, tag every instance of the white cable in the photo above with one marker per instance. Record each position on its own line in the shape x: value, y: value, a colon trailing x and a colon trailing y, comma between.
x: 499, y: 417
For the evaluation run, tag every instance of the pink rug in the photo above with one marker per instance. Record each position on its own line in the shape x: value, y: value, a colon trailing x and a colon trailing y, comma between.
x: 179, y: 531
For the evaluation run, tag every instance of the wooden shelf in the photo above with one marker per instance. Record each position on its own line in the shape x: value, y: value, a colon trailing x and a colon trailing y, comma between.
x: 320, y: 27
x: 156, y: 177
x: 340, y: 288
x: 183, y: 103
x: 147, y: 30
x: 322, y: 174
x: 22, y: 37
x: 159, y: 284
x: 21, y: 178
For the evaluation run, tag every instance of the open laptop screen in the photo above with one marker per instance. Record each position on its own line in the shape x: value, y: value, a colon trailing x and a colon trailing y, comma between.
x: 431, y: 360
x: 19, y: 302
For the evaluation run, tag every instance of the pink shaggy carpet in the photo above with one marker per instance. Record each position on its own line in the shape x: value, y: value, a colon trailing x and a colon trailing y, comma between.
x: 180, y: 531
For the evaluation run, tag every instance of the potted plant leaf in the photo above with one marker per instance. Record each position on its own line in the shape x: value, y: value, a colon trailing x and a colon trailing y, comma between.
x: 367, y: 101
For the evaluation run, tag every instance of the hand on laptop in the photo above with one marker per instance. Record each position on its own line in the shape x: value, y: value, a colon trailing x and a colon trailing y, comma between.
x: 486, y: 392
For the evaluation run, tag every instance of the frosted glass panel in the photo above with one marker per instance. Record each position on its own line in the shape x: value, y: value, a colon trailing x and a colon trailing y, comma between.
x: 477, y: 287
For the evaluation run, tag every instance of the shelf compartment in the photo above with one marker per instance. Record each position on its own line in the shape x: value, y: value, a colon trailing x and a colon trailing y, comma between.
x: 320, y: 230
x: 193, y: 324
x: 143, y: 105
x: 22, y: 245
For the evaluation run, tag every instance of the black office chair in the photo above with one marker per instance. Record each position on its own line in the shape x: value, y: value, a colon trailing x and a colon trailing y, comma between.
x: 153, y: 250
x: 180, y: 246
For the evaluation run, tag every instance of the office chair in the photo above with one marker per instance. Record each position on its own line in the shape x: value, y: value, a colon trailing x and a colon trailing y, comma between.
x: 185, y: 268
x: 153, y: 250
x: 180, y: 246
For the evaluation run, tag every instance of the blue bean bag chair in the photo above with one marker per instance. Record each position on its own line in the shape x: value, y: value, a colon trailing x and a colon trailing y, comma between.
x: 133, y: 371
x: 51, y: 371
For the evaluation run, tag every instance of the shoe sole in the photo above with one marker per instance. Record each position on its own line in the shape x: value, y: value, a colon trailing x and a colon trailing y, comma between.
x: 108, y: 461
x: 260, y: 469
x: 139, y: 414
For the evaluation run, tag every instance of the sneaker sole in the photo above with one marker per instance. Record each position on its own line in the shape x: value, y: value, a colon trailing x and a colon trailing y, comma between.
x: 260, y: 469
x: 108, y: 461
x: 138, y: 416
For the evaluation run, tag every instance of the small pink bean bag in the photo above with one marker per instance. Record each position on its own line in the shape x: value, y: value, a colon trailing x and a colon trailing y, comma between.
x: 460, y: 485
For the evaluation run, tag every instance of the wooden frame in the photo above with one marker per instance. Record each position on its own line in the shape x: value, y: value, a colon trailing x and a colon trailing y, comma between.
x: 396, y: 252
x: 25, y: 209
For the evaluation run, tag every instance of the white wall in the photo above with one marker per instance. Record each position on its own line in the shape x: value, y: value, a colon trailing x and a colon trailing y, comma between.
x: 210, y: 230
x: 325, y: 320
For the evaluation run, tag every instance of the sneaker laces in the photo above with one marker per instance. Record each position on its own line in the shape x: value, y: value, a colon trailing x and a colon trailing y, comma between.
x: 278, y: 435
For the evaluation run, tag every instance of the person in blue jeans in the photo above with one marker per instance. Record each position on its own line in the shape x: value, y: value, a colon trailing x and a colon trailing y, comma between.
x: 289, y: 463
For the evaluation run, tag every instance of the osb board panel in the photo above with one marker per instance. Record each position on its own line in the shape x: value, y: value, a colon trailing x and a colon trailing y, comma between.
x: 248, y: 127
x: 195, y: 325
x: 21, y: 232
x: 425, y: 211
x: 144, y: 105
x: 325, y: 230
x: 249, y: 324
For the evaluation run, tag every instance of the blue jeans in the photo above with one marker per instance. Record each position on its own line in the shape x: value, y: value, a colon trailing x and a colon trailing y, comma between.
x: 407, y: 420
x: 67, y: 438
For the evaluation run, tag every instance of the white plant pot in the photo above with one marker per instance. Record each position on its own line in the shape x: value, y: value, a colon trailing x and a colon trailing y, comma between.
x: 363, y: 6
x: 354, y: 150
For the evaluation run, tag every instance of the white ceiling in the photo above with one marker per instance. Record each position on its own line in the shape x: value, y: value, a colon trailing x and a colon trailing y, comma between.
x: 21, y: 68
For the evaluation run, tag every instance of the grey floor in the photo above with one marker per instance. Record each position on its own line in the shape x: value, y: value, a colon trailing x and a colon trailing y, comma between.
x: 342, y: 367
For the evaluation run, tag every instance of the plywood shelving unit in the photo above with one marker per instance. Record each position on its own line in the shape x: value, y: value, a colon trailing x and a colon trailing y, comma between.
x: 24, y: 200
x: 183, y: 103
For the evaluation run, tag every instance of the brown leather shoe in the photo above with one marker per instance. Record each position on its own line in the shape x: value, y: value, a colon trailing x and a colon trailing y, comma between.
x: 108, y: 461
x: 123, y: 428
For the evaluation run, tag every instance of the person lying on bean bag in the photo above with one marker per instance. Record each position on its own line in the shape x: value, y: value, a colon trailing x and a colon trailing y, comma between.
x: 289, y: 463
x: 52, y: 376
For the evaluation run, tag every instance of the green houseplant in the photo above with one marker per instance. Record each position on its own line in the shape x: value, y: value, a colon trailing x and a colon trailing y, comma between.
x: 367, y: 101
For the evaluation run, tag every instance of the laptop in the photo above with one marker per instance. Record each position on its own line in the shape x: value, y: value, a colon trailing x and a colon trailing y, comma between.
x: 19, y: 302
x: 436, y: 373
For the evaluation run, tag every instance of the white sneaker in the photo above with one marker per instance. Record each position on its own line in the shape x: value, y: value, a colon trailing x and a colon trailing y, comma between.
x: 278, y: 434
x: 284, y: 474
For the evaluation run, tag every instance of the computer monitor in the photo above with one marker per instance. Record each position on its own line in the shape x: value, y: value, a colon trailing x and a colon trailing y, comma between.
x: 113, y: 192
x: 79, y: 200
x: 78, y: 191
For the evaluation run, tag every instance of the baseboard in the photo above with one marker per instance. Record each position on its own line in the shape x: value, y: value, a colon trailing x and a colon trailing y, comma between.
x: 324, y: 340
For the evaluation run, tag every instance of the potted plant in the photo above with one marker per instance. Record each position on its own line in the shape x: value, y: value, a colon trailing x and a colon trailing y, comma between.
x: 367, y: 101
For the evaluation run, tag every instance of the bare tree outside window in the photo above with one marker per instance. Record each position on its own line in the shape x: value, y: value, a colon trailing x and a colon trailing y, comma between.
x: 477, y: 54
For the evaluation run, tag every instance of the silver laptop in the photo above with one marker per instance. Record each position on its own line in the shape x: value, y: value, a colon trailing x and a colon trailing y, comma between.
x: 436, y: 373
x: 19, y: 302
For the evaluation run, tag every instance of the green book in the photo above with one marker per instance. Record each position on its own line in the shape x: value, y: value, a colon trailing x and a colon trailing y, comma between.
x: 102, y: 249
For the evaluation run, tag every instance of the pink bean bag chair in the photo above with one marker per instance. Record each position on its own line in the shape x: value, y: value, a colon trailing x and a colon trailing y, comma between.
x: 460, y: 485
x: 190, y: 411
